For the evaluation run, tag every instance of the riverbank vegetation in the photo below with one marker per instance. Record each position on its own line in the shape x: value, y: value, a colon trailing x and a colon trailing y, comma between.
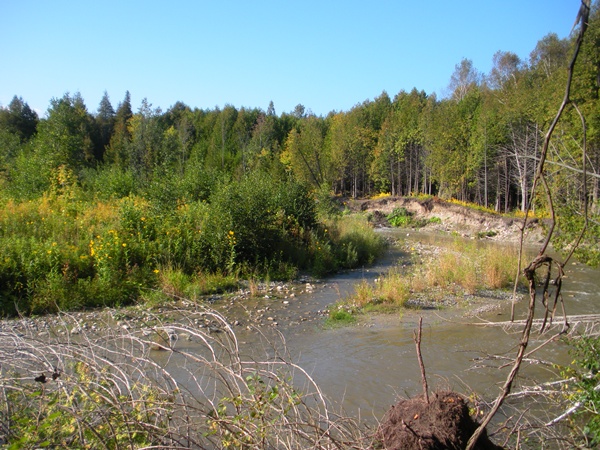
x: 66, y: 249
x: 436, y: 276
x: 109, y: 391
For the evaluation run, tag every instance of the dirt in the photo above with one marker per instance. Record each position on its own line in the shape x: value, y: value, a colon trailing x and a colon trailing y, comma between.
x: 443, y: 423
x: 453, y: 218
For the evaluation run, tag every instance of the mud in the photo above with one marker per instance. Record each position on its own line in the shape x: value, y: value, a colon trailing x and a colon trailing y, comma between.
x: 443, y: 423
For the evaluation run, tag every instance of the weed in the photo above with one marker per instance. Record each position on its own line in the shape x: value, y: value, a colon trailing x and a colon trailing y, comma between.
x: 458, y: 268
x: 399, y: 217
x: 340, y: 317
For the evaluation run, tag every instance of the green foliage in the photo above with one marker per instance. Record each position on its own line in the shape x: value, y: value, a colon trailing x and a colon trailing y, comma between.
x: 400, y: 217
x: 109, y: 182
x: 82, y: 413
x: 326, y: 204
x: 257, y: 220
x: 63, y: 251
x: 18, y: 119
x: 28, y: 175
x: 67, y: 136
x: 340, y: 316
x: 586, y: 372
x: 569, y: 229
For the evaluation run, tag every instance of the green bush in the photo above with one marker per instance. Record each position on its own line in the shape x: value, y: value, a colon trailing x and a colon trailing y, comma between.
x: 585, y: 372
x: 339, y: 317
x: 399, y: 217
x: 109, y: 182
x: 64, y: 251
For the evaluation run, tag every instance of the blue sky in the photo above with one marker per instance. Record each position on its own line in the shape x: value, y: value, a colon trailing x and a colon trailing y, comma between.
x: 326, y: 55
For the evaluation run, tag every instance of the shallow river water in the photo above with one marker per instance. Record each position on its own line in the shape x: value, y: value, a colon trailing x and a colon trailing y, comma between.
x: 365, y: 368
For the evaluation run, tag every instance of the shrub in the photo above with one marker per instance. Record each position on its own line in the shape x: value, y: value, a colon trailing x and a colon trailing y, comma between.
x: 585, y: 373
x: 356, y: 242
x: 109, y: 182
x: 399, y: 217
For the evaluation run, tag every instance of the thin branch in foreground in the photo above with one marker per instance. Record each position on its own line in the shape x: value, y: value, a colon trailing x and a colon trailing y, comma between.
x: 541, y: 259
x: 417, y: 338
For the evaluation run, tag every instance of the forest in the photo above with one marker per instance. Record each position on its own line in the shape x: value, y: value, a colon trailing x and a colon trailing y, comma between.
x: 98, y: 205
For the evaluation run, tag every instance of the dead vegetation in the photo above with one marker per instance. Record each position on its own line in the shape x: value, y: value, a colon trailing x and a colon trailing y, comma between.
x: 151, y: 388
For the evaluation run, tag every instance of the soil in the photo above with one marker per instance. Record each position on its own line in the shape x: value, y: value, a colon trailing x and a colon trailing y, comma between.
x: 454, y: 218
x: 443, y: 423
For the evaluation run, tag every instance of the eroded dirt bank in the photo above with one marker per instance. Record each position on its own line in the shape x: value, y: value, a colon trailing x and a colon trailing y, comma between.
x: 454, y: 218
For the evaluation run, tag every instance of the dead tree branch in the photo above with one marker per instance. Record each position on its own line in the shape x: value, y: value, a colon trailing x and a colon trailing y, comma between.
x: 417, y: 338
x: 541, y: 259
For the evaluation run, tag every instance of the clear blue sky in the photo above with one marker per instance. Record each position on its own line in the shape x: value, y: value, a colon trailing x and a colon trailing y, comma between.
x: 327, y: 55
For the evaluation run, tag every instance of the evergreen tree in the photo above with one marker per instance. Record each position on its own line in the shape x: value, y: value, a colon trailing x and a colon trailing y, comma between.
x: 105, y: 121
x: 117, y: 151
x: 19, y: 119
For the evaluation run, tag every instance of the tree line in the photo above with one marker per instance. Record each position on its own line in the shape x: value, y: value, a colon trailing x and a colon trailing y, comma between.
x: 479, y: 144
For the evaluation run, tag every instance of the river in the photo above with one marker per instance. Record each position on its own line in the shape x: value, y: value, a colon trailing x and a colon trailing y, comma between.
x: 363, y: 369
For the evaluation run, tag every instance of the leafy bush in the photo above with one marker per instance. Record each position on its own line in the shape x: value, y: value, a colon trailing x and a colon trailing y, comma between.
x: 586, y: 374
x: 65, y: 251
x: 109, y: 182
x: 399, y: 217
x: 256, y: 220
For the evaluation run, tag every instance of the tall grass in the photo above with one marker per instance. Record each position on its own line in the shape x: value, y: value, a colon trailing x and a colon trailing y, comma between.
x: 457, y: 268
x: 356, y: 243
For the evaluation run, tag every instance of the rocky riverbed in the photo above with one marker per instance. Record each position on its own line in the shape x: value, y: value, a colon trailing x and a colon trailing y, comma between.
x: 248, y: 308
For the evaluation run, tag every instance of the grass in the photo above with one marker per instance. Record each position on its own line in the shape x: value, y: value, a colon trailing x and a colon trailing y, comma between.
x: 340, y: 317
x: 457, y: 269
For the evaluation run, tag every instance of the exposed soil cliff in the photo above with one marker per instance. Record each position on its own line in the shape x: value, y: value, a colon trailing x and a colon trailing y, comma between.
x: 463, y: 220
